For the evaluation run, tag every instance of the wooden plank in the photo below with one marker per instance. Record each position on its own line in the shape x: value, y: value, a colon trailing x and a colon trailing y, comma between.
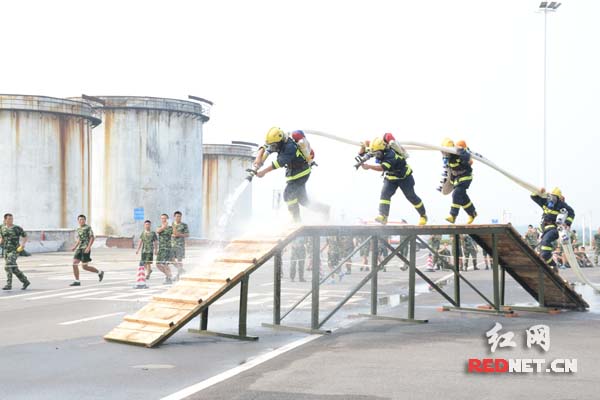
x: 238, y: 260
x: 174, y: 299
x: 132, y: 336
x: 201, y: 279
x: 149, y: 321
x: 256, y: 241
x: 141, y: 327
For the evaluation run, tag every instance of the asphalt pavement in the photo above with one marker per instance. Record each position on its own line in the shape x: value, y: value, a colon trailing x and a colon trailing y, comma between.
x: 51, y: 342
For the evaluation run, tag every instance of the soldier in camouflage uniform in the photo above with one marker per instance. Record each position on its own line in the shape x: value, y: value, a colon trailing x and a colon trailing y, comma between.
x: 83, y: 251
x: 148, y: 246
x: 461, y: 265
x: 445, y: 254
x: 469, y: 250
x: 333, y: 245
x: 347, y: 244
x: 434, y: 242
x: 574, y: 239
x: 364, y: 253
x: 596, y: 247
x: 532, y: 237
x: 10, y: 236
x: 164, y: 255
x: 298, y: 258
x: 180, y: 232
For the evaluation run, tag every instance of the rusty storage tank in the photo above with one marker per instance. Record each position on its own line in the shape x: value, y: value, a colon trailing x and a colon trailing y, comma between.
x: 224, y: 170
x: 45, y: 162
x: 147, y: 154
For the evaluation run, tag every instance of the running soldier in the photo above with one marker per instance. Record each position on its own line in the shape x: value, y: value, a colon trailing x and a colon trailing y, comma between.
x: 83, y: 251
x: 180, y: 232
x: 164, y: 256
x: 148, y: 246
x: 10, y: 236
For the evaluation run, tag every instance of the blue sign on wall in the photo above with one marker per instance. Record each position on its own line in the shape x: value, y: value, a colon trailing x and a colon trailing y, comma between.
x: 494, y: 221
x: 138, y: 214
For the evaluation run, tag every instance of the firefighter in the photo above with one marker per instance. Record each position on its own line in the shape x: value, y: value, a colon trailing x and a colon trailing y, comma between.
x: 398, y: 174
x: 461, y: 176
x: 551, y: 205
x: 290, y: 157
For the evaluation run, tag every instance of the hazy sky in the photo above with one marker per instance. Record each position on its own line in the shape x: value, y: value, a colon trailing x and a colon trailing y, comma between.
x: 468, y: 69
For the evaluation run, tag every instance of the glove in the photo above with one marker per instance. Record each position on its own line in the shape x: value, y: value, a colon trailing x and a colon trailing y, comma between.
x: 19, y: 249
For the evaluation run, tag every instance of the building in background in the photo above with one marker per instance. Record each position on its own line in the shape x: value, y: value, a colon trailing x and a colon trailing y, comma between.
x: 224, y: 170
x: 147, y: 160
x: 45, y: 162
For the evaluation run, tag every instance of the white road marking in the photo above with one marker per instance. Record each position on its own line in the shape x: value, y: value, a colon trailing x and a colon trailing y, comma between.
x: 190, y: 390
x: 67, y: 289
x: 91, y: 318
x: 70, y: 292
x: 94, y: 293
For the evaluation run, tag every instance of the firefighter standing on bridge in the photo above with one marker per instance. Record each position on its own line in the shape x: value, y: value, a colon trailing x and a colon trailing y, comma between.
x: 461, y: 176
x: 552, y: 206
x: 298, y: 168
x: 398, y: 174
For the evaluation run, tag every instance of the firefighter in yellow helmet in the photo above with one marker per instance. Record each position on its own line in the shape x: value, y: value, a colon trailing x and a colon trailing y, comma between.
x: 298, y: 168
x: 461, y: 176
x: 552, y: 205
x: 398, y: 174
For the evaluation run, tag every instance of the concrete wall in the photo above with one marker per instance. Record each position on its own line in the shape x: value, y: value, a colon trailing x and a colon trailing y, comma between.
x: 224, y: 169
x: 147, y: 153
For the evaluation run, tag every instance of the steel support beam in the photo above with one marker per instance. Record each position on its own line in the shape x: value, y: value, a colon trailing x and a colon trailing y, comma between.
x: 277, y: 288
x: 374, y: 271
x: 456, y: 247
x: 316, y: 267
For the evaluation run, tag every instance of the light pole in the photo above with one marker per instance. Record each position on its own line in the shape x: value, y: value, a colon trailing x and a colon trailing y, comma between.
x: 546, y: 7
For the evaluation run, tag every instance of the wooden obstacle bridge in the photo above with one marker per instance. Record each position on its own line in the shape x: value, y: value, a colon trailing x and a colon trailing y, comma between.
x: 193, y: 295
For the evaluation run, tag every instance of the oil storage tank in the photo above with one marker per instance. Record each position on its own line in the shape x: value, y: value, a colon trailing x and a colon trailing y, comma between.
x: 224, y: 170
x: 45, y: 162
x: 147, y: 160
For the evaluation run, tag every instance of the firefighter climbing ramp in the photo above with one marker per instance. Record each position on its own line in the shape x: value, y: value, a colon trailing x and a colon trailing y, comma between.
x: 195, y: 292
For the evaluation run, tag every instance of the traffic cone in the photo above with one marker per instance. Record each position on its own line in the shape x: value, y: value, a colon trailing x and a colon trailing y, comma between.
x: 430, y: 262
x: 141, y: 277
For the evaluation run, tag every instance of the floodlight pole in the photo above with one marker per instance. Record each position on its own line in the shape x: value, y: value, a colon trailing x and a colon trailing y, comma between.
x: 544, y: 143
x: 546, y: 7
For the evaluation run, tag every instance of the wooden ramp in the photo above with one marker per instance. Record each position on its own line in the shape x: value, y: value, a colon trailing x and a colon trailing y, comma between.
x: 529, y: 270
x: 195, y: 292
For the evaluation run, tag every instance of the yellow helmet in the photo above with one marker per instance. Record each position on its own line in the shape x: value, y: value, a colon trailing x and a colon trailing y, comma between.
x: 557, y: 192
x: 447, y: 142
x: 377, y: 144
x: 275, y: 135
